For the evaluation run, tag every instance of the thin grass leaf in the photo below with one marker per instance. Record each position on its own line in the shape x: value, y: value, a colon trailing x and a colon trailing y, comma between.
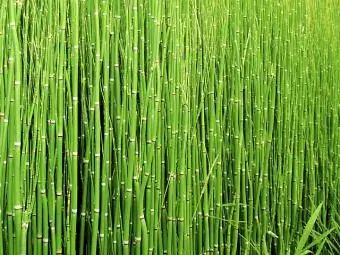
x: 308, y: 228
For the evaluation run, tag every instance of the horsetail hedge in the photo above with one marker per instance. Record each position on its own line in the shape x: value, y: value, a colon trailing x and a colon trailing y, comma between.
x: 169, y: 127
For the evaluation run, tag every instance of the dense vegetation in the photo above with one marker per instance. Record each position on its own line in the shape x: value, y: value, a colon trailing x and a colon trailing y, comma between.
x: 169, y: 127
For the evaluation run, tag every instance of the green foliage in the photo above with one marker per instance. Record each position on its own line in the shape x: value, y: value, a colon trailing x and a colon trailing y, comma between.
x: 178, y: 127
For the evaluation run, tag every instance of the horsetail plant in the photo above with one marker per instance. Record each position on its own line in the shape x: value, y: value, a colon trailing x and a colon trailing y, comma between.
x: 169, y: 127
